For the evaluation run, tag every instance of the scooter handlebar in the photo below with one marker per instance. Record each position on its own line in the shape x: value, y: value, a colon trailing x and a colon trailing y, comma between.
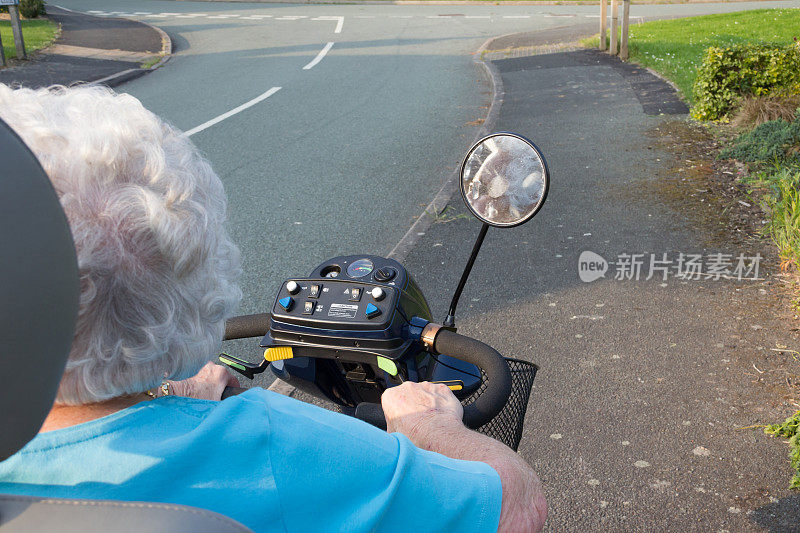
x: 487, y: 405
x: 244, y: 327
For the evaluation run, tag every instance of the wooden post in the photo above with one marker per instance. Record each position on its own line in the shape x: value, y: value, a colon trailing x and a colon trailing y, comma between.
x: 603, y: 23
x: 614, y: 49
x: 16, y: 28
x: 626, y: 12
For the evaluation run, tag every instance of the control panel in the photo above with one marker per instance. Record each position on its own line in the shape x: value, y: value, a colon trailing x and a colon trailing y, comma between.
x: 330, y: 303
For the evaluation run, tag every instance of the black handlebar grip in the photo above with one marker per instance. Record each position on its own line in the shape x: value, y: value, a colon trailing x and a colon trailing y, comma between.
x: 232, y: 391
x: 498, y: 376
x: 487, y: 405
x: 243, y: 327
x: 371, y: 413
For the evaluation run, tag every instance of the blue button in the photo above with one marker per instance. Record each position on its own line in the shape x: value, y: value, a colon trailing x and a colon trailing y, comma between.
x: 286, y: 303
x: 372, y: 311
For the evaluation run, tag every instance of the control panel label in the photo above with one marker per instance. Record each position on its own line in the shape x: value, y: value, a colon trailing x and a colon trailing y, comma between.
x: 342, y: 310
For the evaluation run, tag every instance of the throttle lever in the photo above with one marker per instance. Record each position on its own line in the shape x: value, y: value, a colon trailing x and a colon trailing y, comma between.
x: 247, y: 369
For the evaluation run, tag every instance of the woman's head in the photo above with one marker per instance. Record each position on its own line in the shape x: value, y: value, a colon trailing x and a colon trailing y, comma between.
x: 158, y: 270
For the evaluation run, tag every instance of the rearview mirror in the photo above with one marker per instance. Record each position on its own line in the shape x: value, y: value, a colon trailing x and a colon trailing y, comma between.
x: 504, y: 179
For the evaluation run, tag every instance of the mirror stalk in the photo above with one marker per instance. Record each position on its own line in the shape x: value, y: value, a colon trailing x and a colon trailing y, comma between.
x: 450, y: 320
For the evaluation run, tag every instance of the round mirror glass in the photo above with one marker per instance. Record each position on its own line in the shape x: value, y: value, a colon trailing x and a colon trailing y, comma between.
x: 504, y: 179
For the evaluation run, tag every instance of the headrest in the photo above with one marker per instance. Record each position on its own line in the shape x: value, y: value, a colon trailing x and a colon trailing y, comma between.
x: 38, y: 293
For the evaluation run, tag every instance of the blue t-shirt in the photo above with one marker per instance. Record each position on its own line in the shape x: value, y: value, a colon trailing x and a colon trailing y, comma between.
x: 268, y: 461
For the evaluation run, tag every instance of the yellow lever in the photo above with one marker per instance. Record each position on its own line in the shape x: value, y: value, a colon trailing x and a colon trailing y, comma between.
x: 276, y: 353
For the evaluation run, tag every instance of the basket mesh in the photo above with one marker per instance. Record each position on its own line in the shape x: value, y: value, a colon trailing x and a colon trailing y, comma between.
x: 507, y: 425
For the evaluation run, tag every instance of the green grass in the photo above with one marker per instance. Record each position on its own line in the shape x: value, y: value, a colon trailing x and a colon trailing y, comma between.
x: 152, y: 61
x: 37, y: 34
x: 790, y: 429
x: 674, y: 48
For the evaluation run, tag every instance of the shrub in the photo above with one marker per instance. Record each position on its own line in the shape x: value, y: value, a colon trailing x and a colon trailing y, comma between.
x: 728, y: 74
x: 776, y: 142
x: 31, y: 8
x: 785, y: 219
x: 756, y: 110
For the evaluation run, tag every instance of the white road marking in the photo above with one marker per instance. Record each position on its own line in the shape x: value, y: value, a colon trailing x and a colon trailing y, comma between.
x: 291, y: 17
x: 438, y: 17
x: 319, y: 57
x: 339, y: 22
x: 477, y: 17
x: 94, y: 11
x: 232, y: 112
x: 140, y: 12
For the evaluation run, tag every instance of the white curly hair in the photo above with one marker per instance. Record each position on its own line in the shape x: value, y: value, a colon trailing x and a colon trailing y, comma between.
x: 158, y: 270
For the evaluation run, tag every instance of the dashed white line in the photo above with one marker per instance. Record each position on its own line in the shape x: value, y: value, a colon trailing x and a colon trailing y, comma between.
x: 291, y: 17
x: 319, y: 57
x: 232, y: 112
x: 477, y: 17
x: 339, y: 22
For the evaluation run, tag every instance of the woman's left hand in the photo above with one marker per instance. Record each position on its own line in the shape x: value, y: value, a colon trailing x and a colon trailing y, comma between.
x: 208, y: 384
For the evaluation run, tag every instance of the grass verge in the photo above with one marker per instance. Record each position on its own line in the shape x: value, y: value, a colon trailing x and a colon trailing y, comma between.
x: 775, y: 181
x: 37, y: 34
x: 675, y: 48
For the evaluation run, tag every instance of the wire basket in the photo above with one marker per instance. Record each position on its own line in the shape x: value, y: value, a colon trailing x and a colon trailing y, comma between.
x: 507, y: 425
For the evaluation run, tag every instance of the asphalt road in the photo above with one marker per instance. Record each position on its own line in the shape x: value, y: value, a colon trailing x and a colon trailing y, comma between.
x: 345, y: 155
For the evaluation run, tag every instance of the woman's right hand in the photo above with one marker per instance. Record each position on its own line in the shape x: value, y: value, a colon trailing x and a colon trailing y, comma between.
x: 411, y: 406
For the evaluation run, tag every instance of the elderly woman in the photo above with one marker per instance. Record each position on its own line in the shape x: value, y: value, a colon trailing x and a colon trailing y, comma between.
x: 158, y: 279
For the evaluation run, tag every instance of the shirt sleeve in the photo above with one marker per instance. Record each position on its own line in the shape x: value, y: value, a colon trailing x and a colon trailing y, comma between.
x: 335, y: 473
